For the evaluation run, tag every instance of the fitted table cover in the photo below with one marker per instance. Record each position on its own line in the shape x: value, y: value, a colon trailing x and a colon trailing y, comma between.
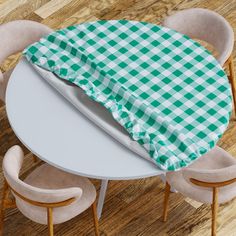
x: 166, y: 90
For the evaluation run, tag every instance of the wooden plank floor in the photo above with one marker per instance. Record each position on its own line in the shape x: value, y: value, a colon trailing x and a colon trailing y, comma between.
x: 131, y: 207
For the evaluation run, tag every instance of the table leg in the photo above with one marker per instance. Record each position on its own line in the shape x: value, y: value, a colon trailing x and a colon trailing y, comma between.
x: 101, y: 197
x: 163, y: 178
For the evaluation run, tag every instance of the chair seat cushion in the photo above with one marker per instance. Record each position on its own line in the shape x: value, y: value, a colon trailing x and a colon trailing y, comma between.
x: 215, y: 159
x: 48, y: 177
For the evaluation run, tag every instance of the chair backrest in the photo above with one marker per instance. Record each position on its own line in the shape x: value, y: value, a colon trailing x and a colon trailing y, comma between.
x: 205, y: 25
x: 12, y: 163
x: 215, y: 175
x: 211, y: 176
x: 15, y: 37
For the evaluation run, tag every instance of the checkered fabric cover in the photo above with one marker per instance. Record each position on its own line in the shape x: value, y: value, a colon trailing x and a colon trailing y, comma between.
x: 165, y: 89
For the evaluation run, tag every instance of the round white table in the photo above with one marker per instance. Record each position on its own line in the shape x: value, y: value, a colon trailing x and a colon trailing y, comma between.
x: 51, y: 128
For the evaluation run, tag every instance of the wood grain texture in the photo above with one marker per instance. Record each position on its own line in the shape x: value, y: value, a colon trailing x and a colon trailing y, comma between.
x: 51, y: 7
x: 18, y: 9
x: 132, y: 207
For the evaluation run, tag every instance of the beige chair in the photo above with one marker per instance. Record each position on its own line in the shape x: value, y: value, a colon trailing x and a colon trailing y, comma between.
x: 15, y: 36
x: 48, y: 195
x: 211, y: 179
x: 210, y: 27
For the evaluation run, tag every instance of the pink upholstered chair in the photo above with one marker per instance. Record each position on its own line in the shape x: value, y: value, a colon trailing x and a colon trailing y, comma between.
x: 211, y: 179
x: 210, y: 27
x: 15, y: 36
x: 48, y: 195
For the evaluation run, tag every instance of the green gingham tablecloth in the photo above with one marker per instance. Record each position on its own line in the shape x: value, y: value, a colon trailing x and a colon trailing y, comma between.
x: 166, y: 90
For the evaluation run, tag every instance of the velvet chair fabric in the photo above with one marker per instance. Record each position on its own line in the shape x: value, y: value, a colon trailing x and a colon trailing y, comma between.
x: 47, y: 184
x: 215, y: 166
x: 14, y: 37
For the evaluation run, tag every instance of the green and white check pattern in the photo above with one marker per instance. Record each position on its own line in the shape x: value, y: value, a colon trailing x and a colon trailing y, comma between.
x: 165, y: 89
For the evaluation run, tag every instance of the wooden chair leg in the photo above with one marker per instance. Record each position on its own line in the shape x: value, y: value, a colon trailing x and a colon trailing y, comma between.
x: 95, y: 219
x: 232, y: 80
x: 166, y: 200
x: 50, y: 221
x: 214, y: 211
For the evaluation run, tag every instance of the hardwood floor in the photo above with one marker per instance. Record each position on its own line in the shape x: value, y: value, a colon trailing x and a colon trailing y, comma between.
x: 131, y: 207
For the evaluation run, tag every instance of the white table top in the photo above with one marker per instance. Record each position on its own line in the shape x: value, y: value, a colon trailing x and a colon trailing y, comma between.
x: 49, y: 126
